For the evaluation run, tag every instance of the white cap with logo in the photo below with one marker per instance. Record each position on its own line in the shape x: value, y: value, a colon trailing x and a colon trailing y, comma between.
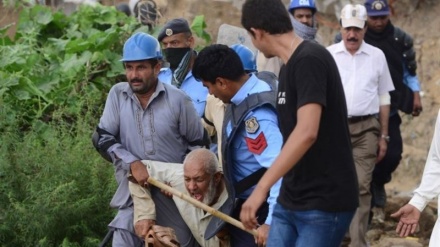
x: 353, y: 16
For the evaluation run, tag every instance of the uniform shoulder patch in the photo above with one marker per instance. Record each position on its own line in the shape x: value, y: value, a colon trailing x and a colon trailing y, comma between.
x: 252, y: 125
x: 257, y: 145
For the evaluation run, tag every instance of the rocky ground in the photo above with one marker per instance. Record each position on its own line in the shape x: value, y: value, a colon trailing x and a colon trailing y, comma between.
x: 417, y: 17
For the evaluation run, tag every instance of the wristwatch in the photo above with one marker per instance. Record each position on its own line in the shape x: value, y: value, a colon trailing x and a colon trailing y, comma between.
x: 385, y: 137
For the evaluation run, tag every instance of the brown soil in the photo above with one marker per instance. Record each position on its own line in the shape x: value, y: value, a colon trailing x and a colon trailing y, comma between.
x: 417, y: 17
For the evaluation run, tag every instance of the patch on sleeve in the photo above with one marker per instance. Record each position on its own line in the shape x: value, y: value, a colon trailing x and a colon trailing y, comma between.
x: 252, y: 125
x: 257, y: 145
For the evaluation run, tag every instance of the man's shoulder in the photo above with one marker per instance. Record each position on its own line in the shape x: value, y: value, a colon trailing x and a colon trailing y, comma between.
x: 120, y: 87
x: 312, y: 49
x: 174, y: 93
x: 334, y: 47
x: 371, y: 49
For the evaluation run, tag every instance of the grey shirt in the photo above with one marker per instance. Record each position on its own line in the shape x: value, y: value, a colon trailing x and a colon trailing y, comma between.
x: 161, y: 132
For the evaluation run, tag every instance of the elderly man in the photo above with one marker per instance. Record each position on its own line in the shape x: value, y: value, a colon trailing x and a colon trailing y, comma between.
x: 177, y: 44
x: 367, y: 83
x: 199, y: 178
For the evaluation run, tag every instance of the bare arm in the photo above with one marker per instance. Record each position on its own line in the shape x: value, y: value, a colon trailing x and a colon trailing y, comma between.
x: 384, y: 115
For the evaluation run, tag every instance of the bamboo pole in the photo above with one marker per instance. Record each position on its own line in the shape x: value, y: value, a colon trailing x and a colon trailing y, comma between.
x: 201, y: 205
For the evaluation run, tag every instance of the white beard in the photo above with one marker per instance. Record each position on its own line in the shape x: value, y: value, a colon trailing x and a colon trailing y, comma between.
x: 211, y: 193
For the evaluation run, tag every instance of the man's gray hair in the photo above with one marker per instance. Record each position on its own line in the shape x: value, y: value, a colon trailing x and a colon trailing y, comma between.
x: 204, y: 156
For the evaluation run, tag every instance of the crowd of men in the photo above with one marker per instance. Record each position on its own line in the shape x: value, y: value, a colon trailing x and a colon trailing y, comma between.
x: 298, y: 148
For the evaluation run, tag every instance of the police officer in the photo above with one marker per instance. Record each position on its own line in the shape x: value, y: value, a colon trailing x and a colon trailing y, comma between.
x: 215, y: 108
x: 177, y: 44
x: 132, y: 129
x: 250, y: 122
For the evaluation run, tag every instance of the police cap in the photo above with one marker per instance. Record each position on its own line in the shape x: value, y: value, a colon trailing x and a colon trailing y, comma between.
x: 174, y: 26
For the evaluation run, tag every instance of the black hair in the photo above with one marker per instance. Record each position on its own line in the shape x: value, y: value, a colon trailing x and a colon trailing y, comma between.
x: 217, y: 61
x: 153, y: 62
x: 268, y: 15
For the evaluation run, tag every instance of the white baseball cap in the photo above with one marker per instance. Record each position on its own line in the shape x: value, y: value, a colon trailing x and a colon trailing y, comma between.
x: 353, y: 16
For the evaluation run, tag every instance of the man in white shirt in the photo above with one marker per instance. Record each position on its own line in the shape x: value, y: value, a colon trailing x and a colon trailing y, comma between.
x: 428, y: 189
x: 199, y: 177
x: 367, y: 83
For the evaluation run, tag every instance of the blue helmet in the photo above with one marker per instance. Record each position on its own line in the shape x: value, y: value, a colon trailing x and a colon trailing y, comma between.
x: 302, y: 4
x: 141, y: 46
x: 247, y: 57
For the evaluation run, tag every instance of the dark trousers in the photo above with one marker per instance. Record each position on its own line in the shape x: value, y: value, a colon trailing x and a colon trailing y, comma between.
x: 240, y: 238
x: 383, y: 170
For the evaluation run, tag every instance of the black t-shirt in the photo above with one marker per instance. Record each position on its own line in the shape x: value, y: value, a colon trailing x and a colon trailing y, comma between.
x: 325, y: 177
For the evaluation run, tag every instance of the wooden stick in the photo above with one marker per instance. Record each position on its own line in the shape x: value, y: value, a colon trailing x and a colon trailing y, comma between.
x: 201, y: 205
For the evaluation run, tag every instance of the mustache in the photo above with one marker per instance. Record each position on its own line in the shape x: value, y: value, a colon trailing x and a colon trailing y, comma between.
x: 136, y: 80
x: 352, y: 40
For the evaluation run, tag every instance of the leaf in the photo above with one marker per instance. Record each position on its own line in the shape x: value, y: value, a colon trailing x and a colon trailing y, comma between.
x: 75, y: 63
x: 7, y: 82
x: 42, y: 14
x: 58, y: 44
x: 198, y: 26
x: 78, y: 45
x: 47, y: 84
x: 31, y: 88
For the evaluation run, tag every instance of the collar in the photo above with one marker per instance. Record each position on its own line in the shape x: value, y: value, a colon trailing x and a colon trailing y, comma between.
x: 340, y: 48
x: 159, y: 88
x: 244, y: 91
x: 168, y: 73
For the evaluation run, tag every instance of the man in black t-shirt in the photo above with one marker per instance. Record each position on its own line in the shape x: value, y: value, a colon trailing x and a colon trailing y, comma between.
x: 319, y: 193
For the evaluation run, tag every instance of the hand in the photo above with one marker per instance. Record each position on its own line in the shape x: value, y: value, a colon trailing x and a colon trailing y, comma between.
x: 142, y: 227
x: 223, y: 236
x: 382, y: 149
x: 139, y: 172
x: 409, y: 218
x: 250, y: 207
x: 417, y: 107
x: 263, y: 232
x: 160, y: 236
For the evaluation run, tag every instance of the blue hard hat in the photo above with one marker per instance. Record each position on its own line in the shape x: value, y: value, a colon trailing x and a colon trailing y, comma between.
x: 247, y: 57
x: 141, y: 46
x: 302, y: 4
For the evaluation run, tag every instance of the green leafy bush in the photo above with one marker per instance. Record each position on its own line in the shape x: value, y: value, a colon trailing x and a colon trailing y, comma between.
x: 55, y: 189
x: 55, y: 59
x: 54, y: 77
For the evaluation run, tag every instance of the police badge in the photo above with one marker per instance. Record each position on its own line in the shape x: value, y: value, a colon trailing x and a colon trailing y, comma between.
x: 252, y: 125
x: 169, y: 31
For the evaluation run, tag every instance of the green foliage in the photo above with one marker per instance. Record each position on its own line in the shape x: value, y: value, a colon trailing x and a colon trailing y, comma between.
x: 54, y: 76
x: 198, y: 27
x: 55, y: 188
x: 54, y: 59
